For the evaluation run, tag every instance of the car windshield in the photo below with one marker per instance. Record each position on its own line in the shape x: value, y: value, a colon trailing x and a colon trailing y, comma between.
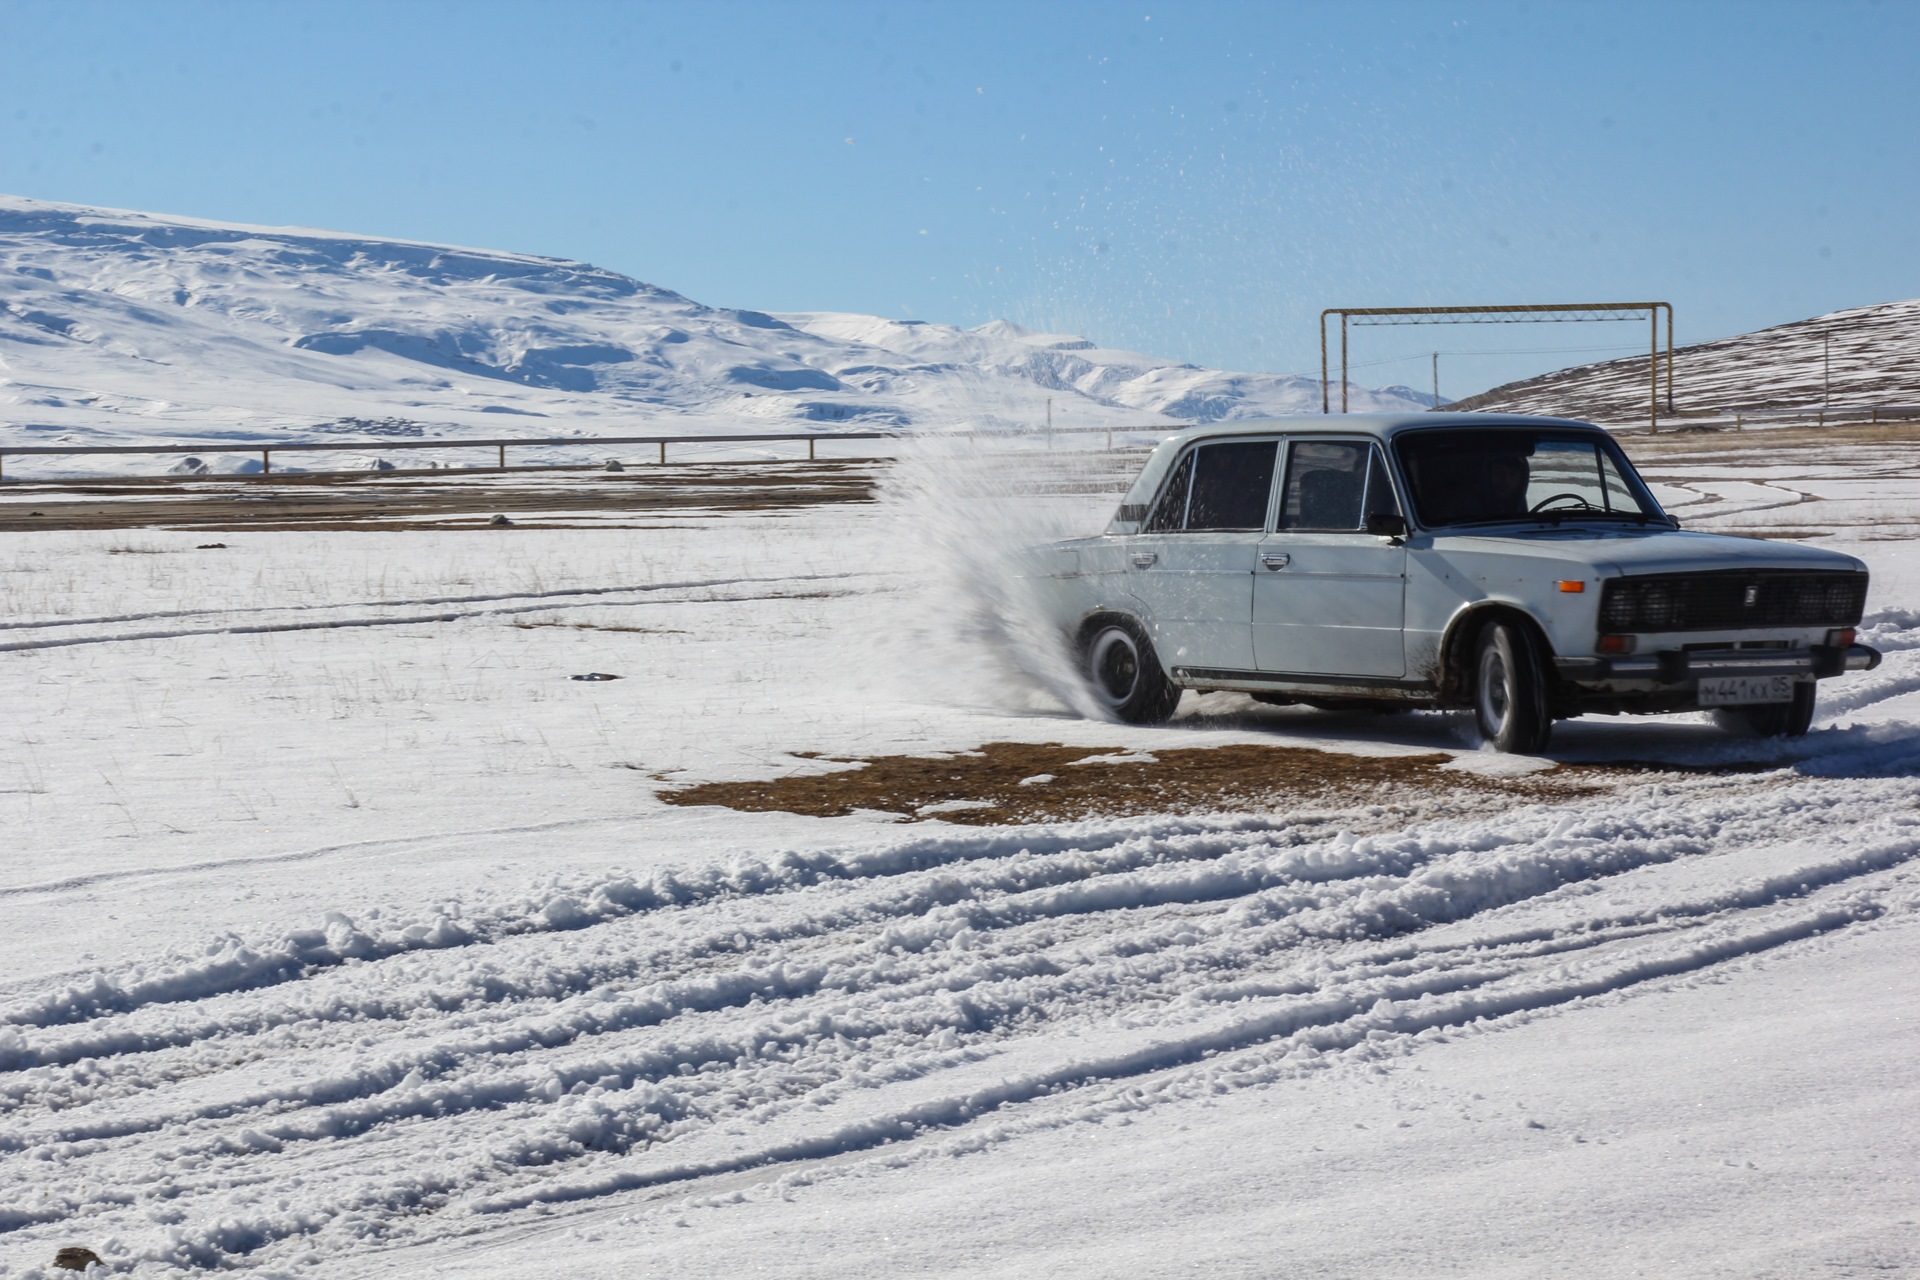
x: 1477, y: 475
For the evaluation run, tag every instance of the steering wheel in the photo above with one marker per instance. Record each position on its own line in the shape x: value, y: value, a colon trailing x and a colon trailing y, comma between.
x: 1581, y: 503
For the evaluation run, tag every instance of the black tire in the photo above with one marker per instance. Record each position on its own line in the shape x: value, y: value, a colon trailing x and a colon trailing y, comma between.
x: 1124, y: 673
x: 1773, y: 719
x: 1510, y: 689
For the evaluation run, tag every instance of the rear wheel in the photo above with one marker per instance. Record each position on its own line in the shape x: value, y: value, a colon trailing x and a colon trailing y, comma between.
x: 1773, y: 719
x: 1510, y: 689
x: 1124, y: 673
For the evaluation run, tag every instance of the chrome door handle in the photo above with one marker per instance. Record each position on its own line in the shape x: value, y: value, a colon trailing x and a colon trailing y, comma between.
x: 1275, y: 559
x: 1142, y: 559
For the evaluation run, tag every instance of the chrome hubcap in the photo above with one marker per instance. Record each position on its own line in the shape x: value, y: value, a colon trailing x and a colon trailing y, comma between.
x: 1493, y: 688
x: 1113, y: 663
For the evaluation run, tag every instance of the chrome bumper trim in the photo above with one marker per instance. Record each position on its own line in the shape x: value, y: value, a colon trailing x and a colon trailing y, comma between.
x: 1678, y: 666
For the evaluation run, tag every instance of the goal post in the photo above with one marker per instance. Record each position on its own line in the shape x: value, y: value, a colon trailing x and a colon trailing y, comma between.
x: 1544, y: 313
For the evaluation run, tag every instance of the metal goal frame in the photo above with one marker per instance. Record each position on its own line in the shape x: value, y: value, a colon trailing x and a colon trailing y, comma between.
x: 1543, y: 313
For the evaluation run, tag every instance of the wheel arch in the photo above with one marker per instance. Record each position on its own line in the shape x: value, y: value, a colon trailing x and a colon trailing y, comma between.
x: 1455, y: 678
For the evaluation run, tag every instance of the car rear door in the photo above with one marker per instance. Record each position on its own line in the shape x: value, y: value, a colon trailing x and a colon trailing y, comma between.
x: 1192, y: 564
x: 1329, y: 598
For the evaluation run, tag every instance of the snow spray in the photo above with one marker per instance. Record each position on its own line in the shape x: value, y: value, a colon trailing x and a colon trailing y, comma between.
x: 975, y: 515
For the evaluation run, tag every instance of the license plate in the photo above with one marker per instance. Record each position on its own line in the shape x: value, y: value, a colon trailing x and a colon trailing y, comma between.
x: 1734, y: 691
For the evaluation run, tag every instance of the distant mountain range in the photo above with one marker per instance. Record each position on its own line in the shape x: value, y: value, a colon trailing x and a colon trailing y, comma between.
x: 119, y: 327
x: 1866, y: 356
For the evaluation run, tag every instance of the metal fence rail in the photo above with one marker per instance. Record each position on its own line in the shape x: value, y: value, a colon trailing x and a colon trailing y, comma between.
x: 500, y: 446
x: 1813, y: 415
x: 1821, y: 415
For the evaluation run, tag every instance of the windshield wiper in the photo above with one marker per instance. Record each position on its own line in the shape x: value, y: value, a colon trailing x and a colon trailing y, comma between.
x: 1555, y: 518
x: 1466, y: 524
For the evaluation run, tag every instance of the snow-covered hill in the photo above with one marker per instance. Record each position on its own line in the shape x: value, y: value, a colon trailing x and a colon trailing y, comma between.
x: 1069, y: 366
x: 118, y: 326
x: 1860, y: 356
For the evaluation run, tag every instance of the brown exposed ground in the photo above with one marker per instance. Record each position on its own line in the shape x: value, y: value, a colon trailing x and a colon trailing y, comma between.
x: 1015, y: 782
x: 376, y: 500
x: 1677, y: 444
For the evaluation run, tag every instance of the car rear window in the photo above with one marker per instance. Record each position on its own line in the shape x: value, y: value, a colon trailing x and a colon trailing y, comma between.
x: 1220, y: 487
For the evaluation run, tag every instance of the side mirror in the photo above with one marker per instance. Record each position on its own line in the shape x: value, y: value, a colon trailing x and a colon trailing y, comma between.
x: 1387, y: 524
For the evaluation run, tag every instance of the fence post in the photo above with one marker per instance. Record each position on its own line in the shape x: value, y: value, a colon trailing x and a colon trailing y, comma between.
x: 266, y: 462
x: 503, y: 457
x: 663, y: 453
x: 809, y: 448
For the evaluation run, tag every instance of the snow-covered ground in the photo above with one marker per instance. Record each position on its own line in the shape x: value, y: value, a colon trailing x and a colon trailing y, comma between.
x: 138, y: 328
x: 342, y: 934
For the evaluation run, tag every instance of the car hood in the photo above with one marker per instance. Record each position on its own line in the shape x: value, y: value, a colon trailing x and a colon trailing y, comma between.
x: 1634, y: 550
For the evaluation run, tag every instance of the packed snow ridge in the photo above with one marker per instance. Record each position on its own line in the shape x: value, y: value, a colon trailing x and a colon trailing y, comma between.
x: 119, y: 326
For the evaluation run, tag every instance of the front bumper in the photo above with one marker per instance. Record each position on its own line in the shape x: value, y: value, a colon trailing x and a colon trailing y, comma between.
x: 1673, y: 668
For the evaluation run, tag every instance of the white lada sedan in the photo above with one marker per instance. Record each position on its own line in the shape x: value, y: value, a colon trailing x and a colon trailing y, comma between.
x: 1514, y: 565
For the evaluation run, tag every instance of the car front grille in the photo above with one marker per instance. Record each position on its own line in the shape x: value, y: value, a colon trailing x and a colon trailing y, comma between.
x: 1733, y: 599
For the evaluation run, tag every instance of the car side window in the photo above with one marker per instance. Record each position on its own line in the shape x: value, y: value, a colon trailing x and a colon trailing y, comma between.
x: 1232, y: 482
x: 1218, y: 487
x: 1327, y: 486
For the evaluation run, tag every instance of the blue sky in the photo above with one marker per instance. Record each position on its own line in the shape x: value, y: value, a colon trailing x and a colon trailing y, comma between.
x: 1193, y: 180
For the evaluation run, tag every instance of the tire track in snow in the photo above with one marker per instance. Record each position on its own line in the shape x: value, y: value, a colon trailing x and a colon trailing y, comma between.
x: 407, y: 620
x: 424, y: 601
x: 812, y: 1006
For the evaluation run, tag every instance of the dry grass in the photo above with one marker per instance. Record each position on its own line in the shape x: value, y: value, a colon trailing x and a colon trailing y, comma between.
x: 1016, y: 782
x: 1716, y: 446
x: 440, y: 500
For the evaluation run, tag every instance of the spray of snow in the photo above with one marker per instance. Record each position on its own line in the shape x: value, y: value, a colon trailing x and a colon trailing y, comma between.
x: 977, y: 523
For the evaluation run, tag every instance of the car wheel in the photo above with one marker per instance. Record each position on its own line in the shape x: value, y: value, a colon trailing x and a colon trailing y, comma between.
x: 1773, y: 719
x: 1510, y: 690
x: 1124, y: 673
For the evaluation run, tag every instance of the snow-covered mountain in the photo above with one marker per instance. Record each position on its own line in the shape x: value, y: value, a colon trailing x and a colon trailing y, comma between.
x: 1068, y: 366
x: 118, y: 326
x: 1861, y: 356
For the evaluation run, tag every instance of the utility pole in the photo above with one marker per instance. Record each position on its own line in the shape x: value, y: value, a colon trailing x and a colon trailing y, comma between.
x: 1826, y: 375
x: 1436, y: 379
x: 1049, y: 422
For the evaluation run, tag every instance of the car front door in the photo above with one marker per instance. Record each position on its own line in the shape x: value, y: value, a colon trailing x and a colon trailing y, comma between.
x: 1192, y: 564
x: 1329, y: 598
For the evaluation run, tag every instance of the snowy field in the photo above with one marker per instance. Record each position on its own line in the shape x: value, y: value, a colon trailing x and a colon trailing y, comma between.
x: 345, y: 935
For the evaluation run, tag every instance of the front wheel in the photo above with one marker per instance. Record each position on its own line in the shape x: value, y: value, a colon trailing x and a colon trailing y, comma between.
x: 1124, y: 673
x: 1510, y: 690
x: 1773, y: 719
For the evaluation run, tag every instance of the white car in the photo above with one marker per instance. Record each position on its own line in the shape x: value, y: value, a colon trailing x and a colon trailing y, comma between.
x: 1515, y: 565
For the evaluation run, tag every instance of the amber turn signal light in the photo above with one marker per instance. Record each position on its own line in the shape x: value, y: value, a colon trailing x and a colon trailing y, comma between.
x: 1572, y: 588
x: 1615, y: 644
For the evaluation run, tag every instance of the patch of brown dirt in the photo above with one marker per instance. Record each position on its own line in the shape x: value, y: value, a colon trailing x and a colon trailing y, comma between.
x: 1019, y: 782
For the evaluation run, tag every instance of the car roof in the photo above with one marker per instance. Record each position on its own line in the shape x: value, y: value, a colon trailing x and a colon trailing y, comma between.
x: 1379, y: 425
x: 1368, y: 424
